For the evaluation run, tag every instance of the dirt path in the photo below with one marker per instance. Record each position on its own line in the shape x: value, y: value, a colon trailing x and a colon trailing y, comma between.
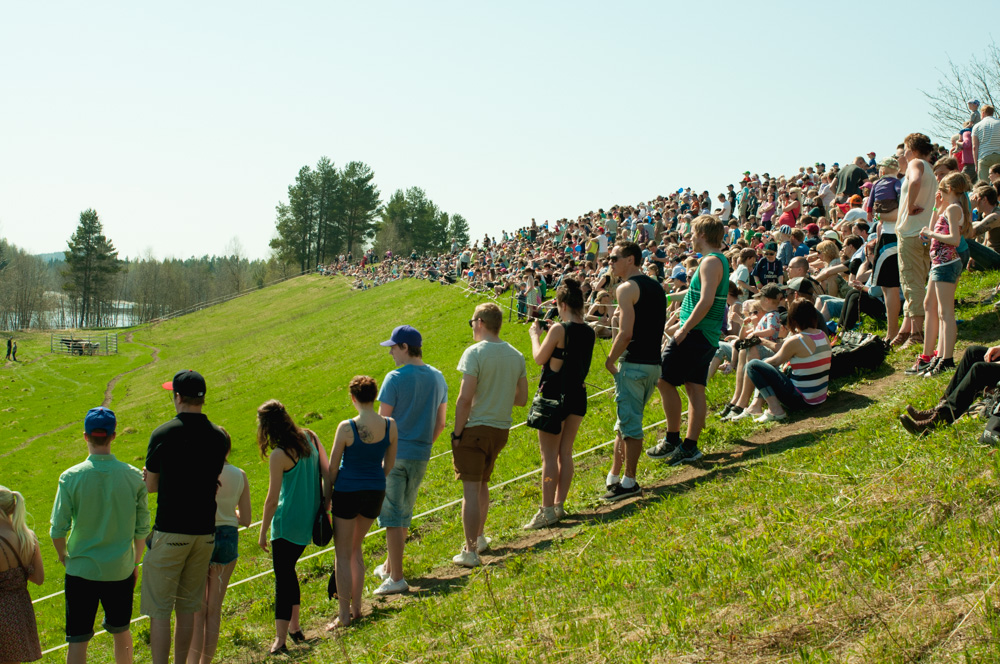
x: 106, y: 402
x: 834, y: 412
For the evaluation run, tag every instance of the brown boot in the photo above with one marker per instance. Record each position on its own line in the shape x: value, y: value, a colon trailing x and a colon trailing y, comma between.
x: 918, y: 415
x: 899, y: 339
x: 920, y: 427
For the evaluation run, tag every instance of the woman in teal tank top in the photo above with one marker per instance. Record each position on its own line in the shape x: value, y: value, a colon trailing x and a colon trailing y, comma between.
x: 297, y: 461
x: 363, y: 453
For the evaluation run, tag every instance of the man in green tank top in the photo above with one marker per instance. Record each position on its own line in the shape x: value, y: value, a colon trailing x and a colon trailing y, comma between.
x: 687, y: 357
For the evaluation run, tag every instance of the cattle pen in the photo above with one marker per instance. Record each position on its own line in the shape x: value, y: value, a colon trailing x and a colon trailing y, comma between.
x: 91, y: 344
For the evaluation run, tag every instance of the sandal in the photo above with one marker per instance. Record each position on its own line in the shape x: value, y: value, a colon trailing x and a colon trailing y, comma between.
x: 297, y: 637
x: 280, y: 650
x: 900, y: 339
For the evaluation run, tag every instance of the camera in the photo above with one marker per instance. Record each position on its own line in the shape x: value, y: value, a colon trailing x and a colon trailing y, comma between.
x: 749, y: 342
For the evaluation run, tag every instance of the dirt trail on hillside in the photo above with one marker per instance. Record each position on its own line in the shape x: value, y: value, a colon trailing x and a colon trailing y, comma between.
x: 107, y: 397
x: 834, y: 412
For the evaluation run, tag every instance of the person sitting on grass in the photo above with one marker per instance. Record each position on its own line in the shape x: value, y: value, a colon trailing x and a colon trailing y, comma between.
x: 760, y: 342
x: 808, y: 353
x: 978, y: 370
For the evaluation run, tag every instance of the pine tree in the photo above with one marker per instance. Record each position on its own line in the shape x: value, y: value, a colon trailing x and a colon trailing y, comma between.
x: 91, y: 263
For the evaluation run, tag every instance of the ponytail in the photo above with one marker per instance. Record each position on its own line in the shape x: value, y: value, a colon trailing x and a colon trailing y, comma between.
x: 12, y: 506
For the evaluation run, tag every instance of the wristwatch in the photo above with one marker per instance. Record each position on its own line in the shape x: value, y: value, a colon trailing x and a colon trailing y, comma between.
x: 456, y: 436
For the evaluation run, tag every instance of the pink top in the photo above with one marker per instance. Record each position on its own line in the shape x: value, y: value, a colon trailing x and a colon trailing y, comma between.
x: 942, y: 252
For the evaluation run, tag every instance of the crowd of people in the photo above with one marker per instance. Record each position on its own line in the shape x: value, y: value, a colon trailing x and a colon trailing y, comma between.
x: 757, y: 281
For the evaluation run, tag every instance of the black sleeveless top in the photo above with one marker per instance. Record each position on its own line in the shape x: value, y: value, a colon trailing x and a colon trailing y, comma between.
x: 650, y: 318
x: 576, y: 357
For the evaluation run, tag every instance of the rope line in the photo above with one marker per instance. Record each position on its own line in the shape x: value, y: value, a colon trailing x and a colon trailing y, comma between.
x: 381, y: 530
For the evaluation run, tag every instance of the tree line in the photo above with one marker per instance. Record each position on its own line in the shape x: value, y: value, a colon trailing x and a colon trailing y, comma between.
x: 332, y: 212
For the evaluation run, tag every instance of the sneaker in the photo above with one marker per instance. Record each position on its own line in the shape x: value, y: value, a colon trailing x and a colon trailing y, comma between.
x: 380, y: 572
x: 927, y: 372
x: 543, y: 518
x: 467, y: 558
x: 559, y: 511
x: 725, y: 411
x: 681, y: 455
x: 617, y: 492
x: 390, y: 587
x: 918, y: 368
x: 768, y: 416
x: 733, y: 413
x: 743, y: 414
x: 940, y: 368
x: 661, y: 450
x: 483, y: 544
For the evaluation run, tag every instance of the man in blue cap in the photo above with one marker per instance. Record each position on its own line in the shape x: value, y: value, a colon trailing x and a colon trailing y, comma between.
x: 415, y: 394
x: 101, y: 505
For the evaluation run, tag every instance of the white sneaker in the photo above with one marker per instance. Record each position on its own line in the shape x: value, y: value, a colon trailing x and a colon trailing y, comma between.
x: 483, y: 544
x: 740, y: 416
x: 390, y: 587
x: 768, y: 416
x: 467, y: 559
x: 380, y: 572
x: 559, y: 510
x: 543, y: 518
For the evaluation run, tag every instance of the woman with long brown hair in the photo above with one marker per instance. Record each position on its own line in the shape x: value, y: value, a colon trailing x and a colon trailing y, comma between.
x: 296, y: 463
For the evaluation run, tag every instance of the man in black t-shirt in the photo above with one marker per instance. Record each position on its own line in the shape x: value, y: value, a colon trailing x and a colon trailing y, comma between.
x: 183, y: 462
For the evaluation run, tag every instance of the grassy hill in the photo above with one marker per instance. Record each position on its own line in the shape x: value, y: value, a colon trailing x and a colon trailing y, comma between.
x: 832, y: 538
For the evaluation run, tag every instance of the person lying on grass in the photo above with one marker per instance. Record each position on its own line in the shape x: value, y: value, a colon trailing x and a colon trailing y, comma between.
x: 807, y: 351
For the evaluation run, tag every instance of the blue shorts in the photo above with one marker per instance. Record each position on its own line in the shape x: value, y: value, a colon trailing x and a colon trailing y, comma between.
x: 227, y: 545
x: 634, y: 384
x: 947, y: 273
x: 401, y: 493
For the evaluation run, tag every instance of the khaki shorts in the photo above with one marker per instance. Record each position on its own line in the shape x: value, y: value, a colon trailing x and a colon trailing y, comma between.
x: 914, y: 266
x: 984, y: 166
x: 476, y: 452
x: 174, y: 572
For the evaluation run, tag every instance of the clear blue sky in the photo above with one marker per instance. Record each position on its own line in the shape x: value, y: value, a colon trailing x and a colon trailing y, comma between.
x: 183, y: 123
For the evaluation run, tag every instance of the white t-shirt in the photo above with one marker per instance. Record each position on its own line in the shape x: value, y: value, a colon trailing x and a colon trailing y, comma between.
x: 727, y: 210
x: 602, y: 244
x: 498, y: 367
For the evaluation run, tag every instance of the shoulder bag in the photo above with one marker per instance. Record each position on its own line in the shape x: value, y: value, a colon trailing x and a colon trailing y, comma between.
x: 322, y: 526
x: 548, y: 414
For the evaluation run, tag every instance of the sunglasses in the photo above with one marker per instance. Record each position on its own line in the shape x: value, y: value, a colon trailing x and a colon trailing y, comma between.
x: 473, y: 320
x: 613, y: 258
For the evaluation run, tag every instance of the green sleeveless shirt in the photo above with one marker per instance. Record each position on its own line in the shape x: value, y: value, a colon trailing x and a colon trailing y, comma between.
x: 711, y: 324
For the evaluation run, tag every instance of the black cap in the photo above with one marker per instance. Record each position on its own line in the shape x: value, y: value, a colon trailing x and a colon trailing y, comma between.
x: 187, y: 383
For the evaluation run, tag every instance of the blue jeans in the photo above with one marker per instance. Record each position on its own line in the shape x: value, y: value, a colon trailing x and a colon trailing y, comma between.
x: 986, y: 258
x: 771, y: 382
x: 834, y: 305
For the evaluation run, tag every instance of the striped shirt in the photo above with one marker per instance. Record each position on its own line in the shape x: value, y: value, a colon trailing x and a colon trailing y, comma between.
x: 811, y: 375
x: 987, y: 131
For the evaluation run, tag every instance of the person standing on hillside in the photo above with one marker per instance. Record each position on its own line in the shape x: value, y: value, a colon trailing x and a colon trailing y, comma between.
x: 104, y: 547
x: 415, y: 395
x: 642, y: 307
x: 494, y: 380
x: 183, y: 463
x: 688, y: 356
x: 10, y: 347
x: 986, y: 143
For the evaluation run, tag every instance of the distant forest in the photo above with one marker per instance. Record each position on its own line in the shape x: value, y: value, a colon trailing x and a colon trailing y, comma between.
x: 329, y: 212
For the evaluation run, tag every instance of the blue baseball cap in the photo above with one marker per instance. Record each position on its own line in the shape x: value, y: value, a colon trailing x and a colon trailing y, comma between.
x: 99, y: 422
x: 679, y: 273
x: 404, y: 334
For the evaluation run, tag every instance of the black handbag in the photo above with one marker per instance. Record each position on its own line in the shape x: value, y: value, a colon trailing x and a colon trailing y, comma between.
x: 548, y: 414
x: 322, y: 526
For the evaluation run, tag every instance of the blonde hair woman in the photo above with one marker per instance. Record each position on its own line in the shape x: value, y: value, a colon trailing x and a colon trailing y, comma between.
x: 20, y: 562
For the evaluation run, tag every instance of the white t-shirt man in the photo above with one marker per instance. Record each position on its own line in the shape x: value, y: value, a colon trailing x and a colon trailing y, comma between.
x: 602, y: 244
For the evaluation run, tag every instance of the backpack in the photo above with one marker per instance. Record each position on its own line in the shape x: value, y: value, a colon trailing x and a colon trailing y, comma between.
x: 991, y: 433
x: 857, y: 350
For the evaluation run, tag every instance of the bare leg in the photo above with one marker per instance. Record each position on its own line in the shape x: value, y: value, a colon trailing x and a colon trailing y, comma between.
x: 633, y: 448
x: 618, y: 454
x: 566, y: 467
x: 183, y: 630
x: 218, y: 583
x: 484, y: 507
x: 949, y: 326
x: 159, y: 640
x: 549, y: 444
x: 76, y: 653
x: 471, y: 512
x: 343, y: 546
x: 740, y: 361
x: 395, y: 542
x: 892, y: 306
x: 361, y: 527
x: 671, y: 399
x: 123, y: 647
x: 697, y: 409
x: 931, y: 318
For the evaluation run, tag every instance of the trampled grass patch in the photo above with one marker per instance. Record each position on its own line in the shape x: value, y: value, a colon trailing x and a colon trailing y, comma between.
x: 836, y: 537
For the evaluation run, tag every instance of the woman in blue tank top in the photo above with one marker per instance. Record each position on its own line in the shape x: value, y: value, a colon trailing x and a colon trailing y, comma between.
x: 363, y: 454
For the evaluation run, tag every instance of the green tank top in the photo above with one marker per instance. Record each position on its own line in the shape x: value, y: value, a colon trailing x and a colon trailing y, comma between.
x: 711, y: 324
x: 298, y: 501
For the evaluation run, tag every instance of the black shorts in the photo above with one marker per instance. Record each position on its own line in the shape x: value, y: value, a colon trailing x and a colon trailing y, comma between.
x: 82, y: 598
x: 687, y: 362
x: 574, y: 399
x: 349, y: 504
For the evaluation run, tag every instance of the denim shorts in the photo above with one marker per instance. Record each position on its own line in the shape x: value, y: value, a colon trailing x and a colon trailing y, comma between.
x: 947, y: 273
x: 227, y: 545
x: 401, y: 493
x: 634, y: 384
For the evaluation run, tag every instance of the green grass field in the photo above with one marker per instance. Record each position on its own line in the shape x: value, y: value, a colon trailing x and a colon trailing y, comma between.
x: 833, y: 538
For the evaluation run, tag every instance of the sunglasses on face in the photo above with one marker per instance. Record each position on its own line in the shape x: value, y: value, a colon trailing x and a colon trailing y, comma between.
x: 472, y: 320
x: 613, y: 258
